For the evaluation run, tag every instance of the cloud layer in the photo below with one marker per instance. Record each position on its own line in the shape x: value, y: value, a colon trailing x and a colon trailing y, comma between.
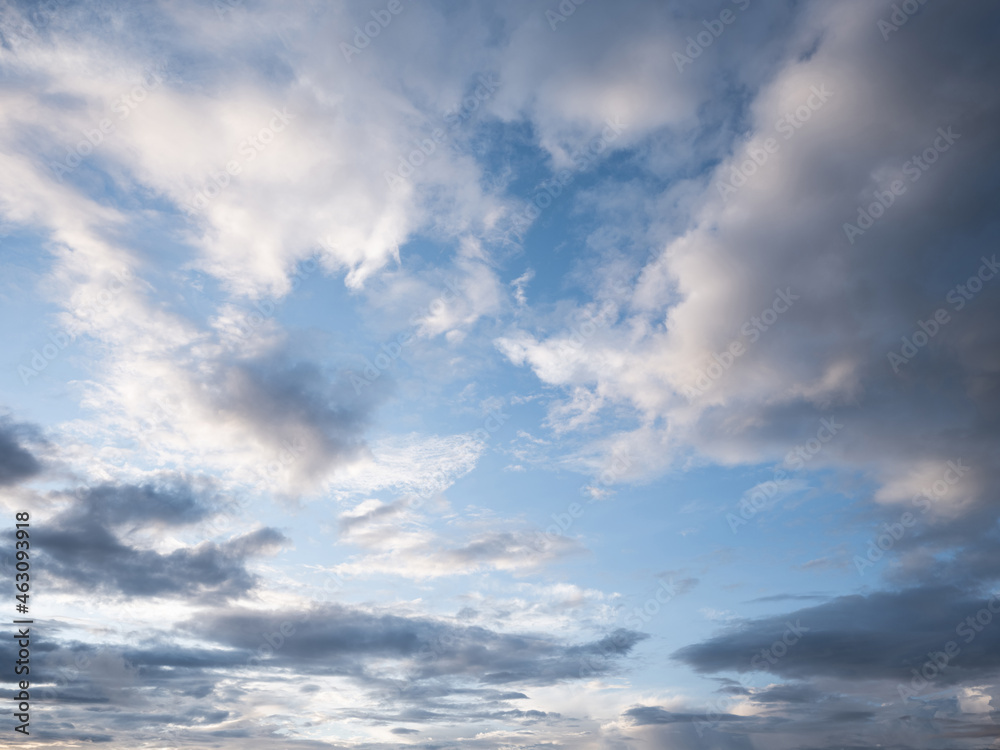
x: 371, y: 361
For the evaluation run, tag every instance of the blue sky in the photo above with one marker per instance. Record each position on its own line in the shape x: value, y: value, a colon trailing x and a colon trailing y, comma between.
x: 503, y: 375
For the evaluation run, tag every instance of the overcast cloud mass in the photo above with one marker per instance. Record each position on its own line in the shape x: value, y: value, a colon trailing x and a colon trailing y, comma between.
x: 582, y: 374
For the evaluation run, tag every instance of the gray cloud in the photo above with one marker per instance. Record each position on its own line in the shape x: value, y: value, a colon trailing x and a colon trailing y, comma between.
x: 645, y: 715
x: 785, y: 228
x: 17, y: 463
x: 445, y: 673
x: 882, y: 636
x: 95, y: 559
x: 724, y: 259
x: 334, y: 639
x: 172, y: 503
x: 89, y: 544
x: 288, y: 402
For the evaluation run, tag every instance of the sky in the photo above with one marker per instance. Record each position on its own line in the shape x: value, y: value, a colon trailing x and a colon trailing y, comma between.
x: 493, y: 375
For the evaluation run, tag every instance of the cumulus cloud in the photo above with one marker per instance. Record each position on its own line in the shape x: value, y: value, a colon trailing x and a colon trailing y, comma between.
x: 811, y: 316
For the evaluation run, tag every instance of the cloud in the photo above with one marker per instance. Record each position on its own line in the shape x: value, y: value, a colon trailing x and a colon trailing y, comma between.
x: 245, y: 146
x: 267, y: 416
x: 293, y: 403
x: 881, y: 636
x: 722, y: 266
x: 16, y: 462
x: 423, y: 555
x: 102, y: 563
x: 389, y: 670
x: 96, y: 544
x: 171, y: 503
x: 645, y: 715
x: 334, y: 639
x: 292, y: 139
x: 398, y: 541
x: 416, y: 464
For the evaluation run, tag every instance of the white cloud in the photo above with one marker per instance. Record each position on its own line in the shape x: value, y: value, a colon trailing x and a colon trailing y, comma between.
x: 780, y: 235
